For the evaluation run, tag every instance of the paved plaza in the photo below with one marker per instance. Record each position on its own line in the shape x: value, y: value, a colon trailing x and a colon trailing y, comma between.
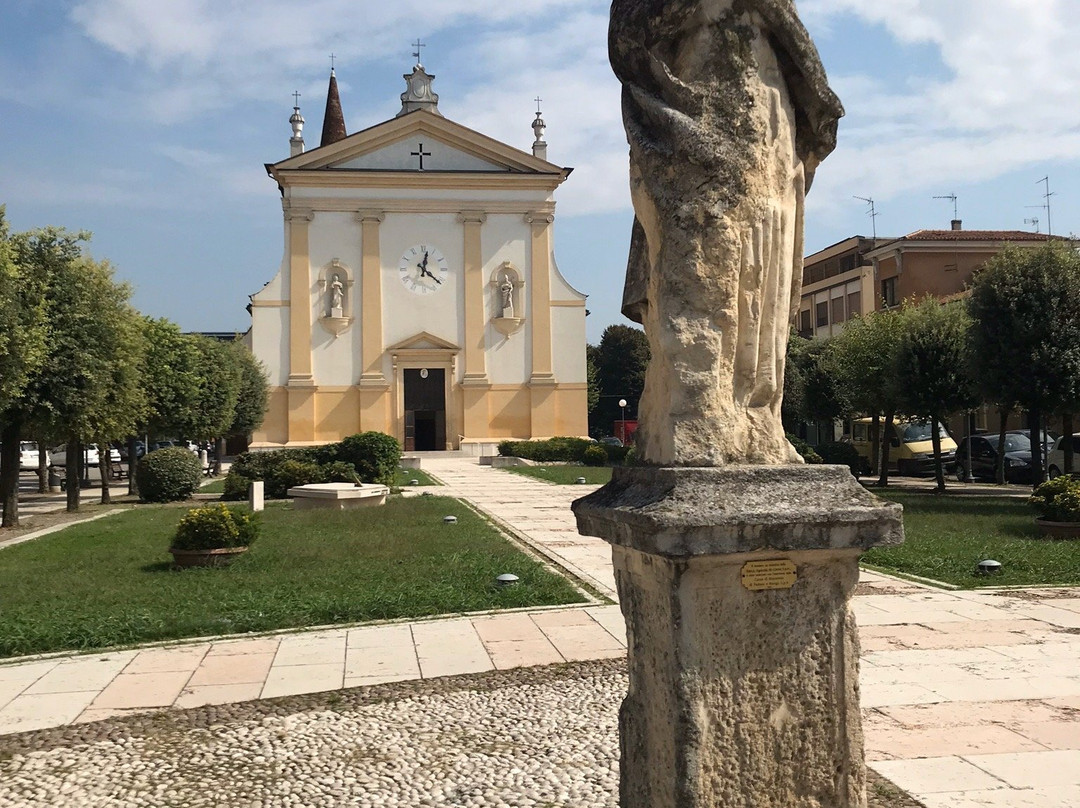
x: 969, y: 698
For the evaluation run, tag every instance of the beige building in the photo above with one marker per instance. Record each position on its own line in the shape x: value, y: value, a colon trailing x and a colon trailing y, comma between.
x: 860, y: 275
x: 418, y: 293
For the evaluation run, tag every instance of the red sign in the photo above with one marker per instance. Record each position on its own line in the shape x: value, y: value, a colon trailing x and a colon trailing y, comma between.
x: 624, y: 431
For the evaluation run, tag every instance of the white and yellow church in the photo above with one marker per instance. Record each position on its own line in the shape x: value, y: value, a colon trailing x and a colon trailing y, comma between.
x: 418, y: 294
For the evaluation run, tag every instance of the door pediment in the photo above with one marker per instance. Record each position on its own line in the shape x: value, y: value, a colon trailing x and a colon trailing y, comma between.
x: 424, y: 342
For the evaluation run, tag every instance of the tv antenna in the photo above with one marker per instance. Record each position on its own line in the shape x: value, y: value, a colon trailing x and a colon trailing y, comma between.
x: 955, y: 209
x: 1034, y: 221
x: 1046, y: 206
x: 873, y: 214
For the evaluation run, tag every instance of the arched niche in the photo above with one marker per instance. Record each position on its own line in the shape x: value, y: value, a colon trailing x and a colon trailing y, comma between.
x: 508, y: 303
x: 336, y: 287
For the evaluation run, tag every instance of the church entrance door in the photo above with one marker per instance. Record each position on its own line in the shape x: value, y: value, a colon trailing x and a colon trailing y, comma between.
x: 425, y: 409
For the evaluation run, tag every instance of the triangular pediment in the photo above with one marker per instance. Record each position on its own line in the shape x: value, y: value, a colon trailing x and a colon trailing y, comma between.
x: 424, y: 342
x: 395, y: 145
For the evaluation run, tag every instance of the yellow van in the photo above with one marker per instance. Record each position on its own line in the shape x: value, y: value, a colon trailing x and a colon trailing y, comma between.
x: 912, y: 448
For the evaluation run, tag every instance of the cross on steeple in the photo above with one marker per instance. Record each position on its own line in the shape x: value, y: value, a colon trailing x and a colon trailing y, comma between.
x: 538, y: 99
x: 332, y: 57
x: 296, y: 99
x: 419, y: 46
x: 421, y: 154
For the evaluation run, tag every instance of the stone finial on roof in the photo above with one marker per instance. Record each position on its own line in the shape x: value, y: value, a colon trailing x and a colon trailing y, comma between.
x: 539, y: 147
x: 333, y: 127
x: 296, y: 120
x: 419, y: 94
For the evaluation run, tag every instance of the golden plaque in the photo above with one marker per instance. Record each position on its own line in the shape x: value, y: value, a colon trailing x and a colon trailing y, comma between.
x: 761, y: 575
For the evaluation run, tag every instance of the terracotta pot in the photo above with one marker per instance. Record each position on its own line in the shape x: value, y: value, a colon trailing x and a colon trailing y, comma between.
x: 1059, y: 530
x: 219, y: 557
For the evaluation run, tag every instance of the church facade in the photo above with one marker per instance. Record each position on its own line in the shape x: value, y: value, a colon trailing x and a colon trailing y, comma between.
x: 418, y: 294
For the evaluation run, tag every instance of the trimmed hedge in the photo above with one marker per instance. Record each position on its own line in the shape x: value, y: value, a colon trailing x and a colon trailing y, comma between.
x: 565, y: 450
x: 842, y: 454
x: 168, y: 475
x: 370, y: 457
x: 805, y: 449
x: 214, y: 528
x: 1058, y: 500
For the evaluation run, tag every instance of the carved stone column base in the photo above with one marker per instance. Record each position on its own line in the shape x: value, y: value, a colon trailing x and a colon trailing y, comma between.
x: 735, y: 584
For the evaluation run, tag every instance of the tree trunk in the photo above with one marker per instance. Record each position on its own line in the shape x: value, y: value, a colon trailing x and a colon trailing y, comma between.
x: 1038, y: 467
x: 105, y: 468
x: 1066, y: 442
x: 73, y: 474
x: 999, y: 463
x: 133, y: 464
x: 875, y: 442
x: 42, y: 468
x: 10, y: 460
x: 939, y: 470
x: 219, y: 455
x: 886, y: 443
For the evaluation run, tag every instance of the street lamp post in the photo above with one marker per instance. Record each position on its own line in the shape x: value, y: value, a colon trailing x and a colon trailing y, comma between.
x: 622, y: 403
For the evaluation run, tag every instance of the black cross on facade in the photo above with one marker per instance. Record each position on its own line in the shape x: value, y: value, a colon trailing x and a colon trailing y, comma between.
x: 421, y: 154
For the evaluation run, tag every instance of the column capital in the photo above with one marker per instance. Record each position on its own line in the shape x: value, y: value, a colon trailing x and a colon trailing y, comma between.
x: 472, y: 217
x: 540, y: 217
x: 370, y: 215
x: 299, y: 214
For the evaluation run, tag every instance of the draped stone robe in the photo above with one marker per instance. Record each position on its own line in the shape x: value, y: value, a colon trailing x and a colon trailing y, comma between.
x: 728, y: 113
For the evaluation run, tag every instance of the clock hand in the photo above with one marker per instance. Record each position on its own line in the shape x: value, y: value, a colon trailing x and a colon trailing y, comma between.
x: 428, y: 273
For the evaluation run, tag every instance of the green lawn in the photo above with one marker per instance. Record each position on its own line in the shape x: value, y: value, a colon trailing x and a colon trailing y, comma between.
x: 947, y: 536
x: 110, y: 582
x: 216, y: 487
x: 565, y: 475
x: 404, y: 476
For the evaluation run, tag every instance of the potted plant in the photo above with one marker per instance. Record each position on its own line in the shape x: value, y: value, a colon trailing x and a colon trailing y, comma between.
x: 212, y: 536
x: 1058, y: 504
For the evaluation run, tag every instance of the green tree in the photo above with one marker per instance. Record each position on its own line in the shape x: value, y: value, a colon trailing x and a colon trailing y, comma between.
x: 1025, y: 305
x: 22, y: 351
x: 865, y: 358
x: 932, y: 367
x: 254, y: 392
x: 621, y: 359
x: 88, y: 388
x: 592, y: 376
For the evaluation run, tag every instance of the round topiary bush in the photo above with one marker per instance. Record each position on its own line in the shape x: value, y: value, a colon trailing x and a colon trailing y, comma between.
x: 214, y: 528
x: 236, y: 486
x: 594, y: 456
x: 168, y: 475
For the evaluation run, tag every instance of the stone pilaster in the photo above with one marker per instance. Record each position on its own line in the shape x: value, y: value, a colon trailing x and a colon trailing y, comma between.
x: 301, y: 383
x: 475, y: 319
x: 735, y: 584
x: 371, y: 303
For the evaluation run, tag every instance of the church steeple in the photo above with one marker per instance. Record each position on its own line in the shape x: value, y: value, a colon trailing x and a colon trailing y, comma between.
x: 333, y: 126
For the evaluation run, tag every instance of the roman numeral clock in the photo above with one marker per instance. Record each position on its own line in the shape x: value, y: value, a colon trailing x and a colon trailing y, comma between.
x: 423, y: 269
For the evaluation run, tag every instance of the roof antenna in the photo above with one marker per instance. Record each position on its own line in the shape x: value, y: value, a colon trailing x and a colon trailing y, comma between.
x: 873, y: 214
x: 1046, y: 206
x: 1034, y: 221
x: 955, y: 209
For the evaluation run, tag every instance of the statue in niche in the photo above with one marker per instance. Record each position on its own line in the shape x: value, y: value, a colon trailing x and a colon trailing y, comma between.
x: 337, y: 297
x: 507, y: 289
x: 728, y: 113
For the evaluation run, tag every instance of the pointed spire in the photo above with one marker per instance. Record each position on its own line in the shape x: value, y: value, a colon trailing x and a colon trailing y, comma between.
x: 333, y: 127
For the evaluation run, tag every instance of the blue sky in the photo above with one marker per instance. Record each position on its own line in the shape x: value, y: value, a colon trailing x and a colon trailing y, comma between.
x: 148, y: 123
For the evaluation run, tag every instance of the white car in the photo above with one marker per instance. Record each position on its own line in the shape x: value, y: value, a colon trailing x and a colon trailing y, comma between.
x: 28, y: 455
x: 58, y: 455
x: 1055, y: 460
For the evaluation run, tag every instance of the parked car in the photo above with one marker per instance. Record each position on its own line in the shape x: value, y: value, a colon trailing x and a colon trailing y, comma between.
x: 1055, y: 460
x: 121, y: 447
x: 911, y: 446
x: 1049, y: 438
x: 28, y: 455
x: 58, y: 455
x: 611, y: 441
x: 984, y: 455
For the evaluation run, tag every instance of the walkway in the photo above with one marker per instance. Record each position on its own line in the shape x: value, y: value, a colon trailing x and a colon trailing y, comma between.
x: 969, y: 699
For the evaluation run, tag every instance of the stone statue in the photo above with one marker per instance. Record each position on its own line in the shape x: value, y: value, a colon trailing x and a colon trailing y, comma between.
x: 507, y: 289
x: 728, y: 113
x: 337, y: 298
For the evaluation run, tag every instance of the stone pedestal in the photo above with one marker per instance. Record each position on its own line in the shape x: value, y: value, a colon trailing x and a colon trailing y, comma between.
x: 256, y: 496
x: 735, y: 584
x: 338, y: 496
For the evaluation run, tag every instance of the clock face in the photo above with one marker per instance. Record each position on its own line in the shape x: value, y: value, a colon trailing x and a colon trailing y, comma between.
x: 423, y: 269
